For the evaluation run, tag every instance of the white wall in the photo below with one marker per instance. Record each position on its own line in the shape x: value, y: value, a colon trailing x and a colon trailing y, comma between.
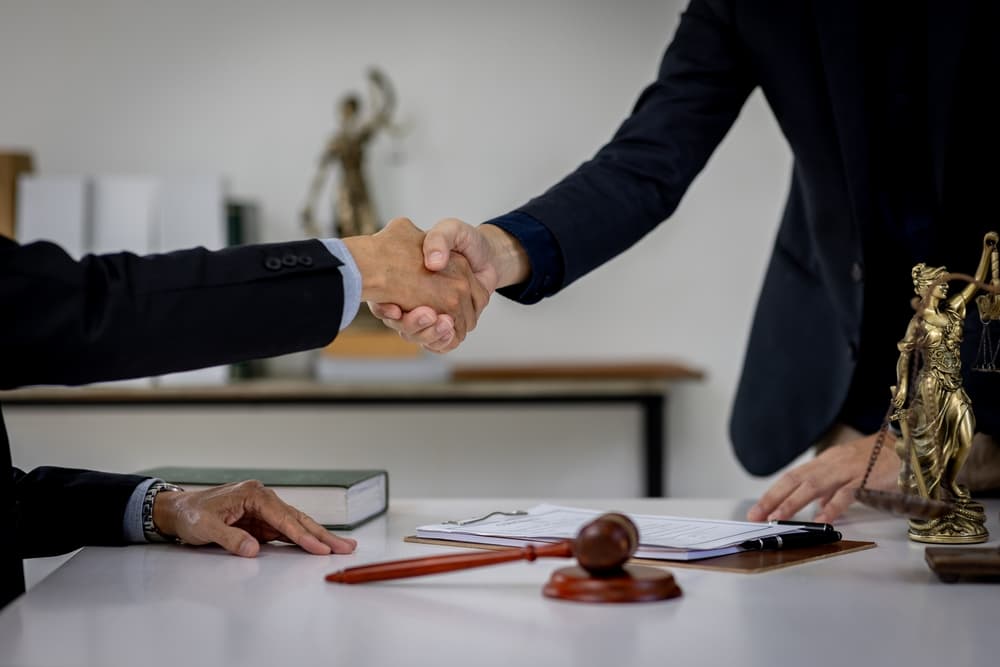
x: 498, y: 100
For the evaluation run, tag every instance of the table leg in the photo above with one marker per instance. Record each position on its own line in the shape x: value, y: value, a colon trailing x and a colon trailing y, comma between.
x: 654, y: 445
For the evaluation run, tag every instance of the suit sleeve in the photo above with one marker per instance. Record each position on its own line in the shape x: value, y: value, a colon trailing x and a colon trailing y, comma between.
x: 60, y: 509
x: 637, y: 179
x: 118, y: 316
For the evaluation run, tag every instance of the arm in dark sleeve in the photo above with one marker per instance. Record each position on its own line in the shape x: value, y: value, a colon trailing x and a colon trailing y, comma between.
x: 637, y: 180
x: 60, y: 509
x: 117, y: 316
x: 543, y: 254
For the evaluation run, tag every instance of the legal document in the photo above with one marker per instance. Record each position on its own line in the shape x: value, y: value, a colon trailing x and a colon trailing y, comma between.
x: 660, y: 537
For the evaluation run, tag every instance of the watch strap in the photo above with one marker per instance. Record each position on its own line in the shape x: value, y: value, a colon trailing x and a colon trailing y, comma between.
x: 149, y: 529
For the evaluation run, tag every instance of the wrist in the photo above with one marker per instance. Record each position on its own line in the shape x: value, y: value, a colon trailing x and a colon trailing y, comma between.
x: 509, y: 256
x: 164, y: 512
x: 363, y: 250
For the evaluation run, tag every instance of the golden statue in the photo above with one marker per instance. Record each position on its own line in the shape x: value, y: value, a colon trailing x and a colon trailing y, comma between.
x: 353, y: 212
x: 934, y: 412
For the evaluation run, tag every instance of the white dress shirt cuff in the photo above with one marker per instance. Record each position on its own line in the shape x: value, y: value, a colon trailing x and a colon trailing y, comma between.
x: 352, y: 279
x: 133, y: 531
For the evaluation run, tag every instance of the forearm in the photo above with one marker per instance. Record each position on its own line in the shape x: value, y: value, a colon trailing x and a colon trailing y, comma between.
x: 118, y: 316
x: 61, y: 509
x: 902, y: 377
x: 637, y: 180
x: 982, y: 270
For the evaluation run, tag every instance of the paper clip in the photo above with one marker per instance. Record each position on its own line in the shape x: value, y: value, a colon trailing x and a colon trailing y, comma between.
x: 466, y: 522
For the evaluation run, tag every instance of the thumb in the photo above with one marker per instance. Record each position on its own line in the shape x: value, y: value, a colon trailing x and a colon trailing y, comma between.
x: 234, y: 540
x: 444, y: 237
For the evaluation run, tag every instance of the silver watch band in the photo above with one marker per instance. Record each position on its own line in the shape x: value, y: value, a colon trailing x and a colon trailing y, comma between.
x: 149, y: 529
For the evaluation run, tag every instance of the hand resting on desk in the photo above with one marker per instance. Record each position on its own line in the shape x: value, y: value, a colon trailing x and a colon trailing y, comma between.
x: 240, y: 516
x: 831, y: 479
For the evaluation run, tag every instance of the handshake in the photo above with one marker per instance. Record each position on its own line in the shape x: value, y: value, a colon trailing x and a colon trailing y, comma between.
x: 431, y: 287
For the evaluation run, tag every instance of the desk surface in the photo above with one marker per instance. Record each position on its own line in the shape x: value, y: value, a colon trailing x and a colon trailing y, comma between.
x: 178, y: 605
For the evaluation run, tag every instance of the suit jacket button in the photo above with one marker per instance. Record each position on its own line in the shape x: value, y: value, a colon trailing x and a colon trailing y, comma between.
x: 305, y: 260
x: 289, y: 260
x: 272, y: 263
x: 857, y: 274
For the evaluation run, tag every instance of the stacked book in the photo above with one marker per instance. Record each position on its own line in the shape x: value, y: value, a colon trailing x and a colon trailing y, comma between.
x: 338, y: 499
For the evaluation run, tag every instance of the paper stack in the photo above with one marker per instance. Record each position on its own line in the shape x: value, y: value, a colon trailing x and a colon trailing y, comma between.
x: 660, y: 537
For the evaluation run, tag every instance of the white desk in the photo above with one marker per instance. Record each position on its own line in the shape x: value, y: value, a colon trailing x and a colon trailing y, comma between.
x: 162, y: 605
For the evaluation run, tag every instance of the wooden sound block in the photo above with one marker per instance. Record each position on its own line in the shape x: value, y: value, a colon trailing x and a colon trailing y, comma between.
x: 634, y: 583
x: 963, y: 564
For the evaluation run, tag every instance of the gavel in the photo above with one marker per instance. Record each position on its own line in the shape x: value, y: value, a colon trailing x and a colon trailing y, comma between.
x: 602, y: 547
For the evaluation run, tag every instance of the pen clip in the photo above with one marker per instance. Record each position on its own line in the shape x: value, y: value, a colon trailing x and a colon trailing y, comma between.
x: 466, y: 522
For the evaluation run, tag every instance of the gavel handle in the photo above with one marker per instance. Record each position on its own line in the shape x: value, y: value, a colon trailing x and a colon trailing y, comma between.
x: 414, y: 567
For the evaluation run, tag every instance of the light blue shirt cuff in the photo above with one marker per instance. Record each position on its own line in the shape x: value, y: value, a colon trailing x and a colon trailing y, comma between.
x: 352, y: 279
x: 133, y: 513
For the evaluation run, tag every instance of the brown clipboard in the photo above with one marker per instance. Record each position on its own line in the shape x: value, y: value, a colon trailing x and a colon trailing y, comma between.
x: 745, y: 562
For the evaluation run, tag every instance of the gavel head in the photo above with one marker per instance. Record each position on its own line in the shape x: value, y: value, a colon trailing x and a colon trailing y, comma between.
x: 606, y: 543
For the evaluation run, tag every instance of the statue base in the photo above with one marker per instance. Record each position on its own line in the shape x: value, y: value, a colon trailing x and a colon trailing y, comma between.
x: 965, y: 524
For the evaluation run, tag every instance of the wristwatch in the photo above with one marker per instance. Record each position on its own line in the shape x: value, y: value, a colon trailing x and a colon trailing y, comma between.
x: 149, y: 528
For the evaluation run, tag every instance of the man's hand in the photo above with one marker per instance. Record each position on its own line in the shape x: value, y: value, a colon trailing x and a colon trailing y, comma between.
x: 392, y: 266
x: 831, y: 478
x: 496, y: 259
x: 239, y: 517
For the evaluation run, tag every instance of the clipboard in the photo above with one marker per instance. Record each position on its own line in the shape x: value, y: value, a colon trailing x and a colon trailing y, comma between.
x: 745, y: 562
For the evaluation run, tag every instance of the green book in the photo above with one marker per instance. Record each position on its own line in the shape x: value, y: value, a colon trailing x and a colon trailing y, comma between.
x: 338, y: 499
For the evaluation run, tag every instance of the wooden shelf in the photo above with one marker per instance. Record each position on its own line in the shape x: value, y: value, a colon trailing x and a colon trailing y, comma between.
x: 582, y: 371
x: 523, y: 381
x: 643, y: 385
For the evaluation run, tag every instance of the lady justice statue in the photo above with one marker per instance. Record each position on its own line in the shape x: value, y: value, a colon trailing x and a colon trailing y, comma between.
x: 933, y: 411
x: 353, y: 211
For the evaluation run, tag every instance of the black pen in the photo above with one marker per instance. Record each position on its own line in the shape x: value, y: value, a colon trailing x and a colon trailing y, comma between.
x: 805, y: 525
x: 807, y: 538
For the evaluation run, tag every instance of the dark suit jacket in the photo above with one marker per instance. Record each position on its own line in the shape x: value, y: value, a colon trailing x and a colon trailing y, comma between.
x: 122, y: 316
x: 807, y: 59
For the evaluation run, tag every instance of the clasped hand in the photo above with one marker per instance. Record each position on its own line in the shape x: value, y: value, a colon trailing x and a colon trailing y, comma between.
x: 495, y: 260
x: 446, y: 298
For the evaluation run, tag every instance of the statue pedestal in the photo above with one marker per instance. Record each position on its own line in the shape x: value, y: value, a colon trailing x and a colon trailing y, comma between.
x: 966, y: 524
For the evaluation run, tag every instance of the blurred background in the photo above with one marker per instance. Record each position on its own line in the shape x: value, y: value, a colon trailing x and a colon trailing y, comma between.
x: 496, y: 102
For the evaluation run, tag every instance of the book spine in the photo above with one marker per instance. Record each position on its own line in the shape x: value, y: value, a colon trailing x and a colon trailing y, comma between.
x: 12, y: 166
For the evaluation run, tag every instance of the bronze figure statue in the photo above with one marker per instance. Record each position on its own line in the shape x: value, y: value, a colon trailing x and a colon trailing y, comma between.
x: 354, y: 213
x: 932, y: 408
